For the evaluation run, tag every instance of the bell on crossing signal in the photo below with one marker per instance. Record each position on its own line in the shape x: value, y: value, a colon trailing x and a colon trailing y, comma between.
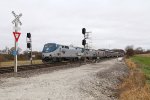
x: 28, y: 45
x: 84, y: 42
x: 28, y: 35
x: 83, y: 31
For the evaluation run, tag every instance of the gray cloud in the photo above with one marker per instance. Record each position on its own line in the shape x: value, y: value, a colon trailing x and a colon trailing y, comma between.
x: 114, y: 23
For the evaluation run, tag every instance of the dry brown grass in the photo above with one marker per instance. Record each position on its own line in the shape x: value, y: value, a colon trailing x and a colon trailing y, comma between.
x: 144, y: 55
x: 134, y: 87
x: 11, y: 63
x: 131, y: 65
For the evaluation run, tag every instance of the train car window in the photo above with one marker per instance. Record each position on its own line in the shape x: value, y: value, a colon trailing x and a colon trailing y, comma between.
x: 87, y: 50
x: 62, y: 46
x: 82, y: 50
x: 72, y: 48
x: 47, y: 49
x: 45, y: 46
x: 66, y: 47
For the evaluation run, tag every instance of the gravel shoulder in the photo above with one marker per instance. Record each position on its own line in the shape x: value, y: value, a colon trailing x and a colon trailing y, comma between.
x: 88, y: 82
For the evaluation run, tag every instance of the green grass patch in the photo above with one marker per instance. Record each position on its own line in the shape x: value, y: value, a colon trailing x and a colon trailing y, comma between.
x: 144, y: 63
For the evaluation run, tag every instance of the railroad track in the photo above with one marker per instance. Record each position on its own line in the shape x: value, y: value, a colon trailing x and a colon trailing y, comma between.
x: 30, y: 67
x: 4, y: 70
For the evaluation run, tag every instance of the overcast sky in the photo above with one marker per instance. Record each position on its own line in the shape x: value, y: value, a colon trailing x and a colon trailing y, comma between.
x: 113, y: 23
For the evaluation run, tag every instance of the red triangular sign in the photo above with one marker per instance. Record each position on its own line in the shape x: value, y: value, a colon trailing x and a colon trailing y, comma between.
x: 16, y: 35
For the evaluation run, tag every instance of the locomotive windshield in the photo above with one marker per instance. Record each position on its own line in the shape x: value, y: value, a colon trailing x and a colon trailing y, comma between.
x: 49, y: 47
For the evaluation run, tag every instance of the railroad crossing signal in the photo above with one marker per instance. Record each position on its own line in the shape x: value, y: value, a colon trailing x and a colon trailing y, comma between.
x: 16, y: 21
x: 16, y: 35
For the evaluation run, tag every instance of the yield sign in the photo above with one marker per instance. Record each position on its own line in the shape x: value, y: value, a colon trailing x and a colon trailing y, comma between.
x: 16, y: 35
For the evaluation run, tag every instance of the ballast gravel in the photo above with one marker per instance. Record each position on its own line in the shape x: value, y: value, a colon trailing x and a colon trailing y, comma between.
x: 96, y: 81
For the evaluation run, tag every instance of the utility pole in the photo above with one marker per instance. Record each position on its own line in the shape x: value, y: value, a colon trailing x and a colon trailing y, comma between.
x: 16, y: 21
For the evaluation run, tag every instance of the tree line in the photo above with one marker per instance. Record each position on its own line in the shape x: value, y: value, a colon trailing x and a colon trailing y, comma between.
x: 24, y: 56
x: 130, y: 51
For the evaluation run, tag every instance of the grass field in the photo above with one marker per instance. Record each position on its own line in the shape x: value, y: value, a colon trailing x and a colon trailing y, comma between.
x: 144, y: 64
x: 11, y: 63
x: 136, y: 86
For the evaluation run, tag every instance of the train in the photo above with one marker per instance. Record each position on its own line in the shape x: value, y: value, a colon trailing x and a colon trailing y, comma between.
x: 53, y: 52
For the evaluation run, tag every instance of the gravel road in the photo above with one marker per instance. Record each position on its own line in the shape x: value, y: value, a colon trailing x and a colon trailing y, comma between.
x: 88, y: 82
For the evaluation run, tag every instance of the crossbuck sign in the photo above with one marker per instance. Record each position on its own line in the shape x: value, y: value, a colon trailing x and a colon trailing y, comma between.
x: 16, y: 20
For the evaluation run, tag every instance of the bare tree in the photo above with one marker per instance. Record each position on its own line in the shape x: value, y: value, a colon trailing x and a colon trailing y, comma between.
x: 139, y: 50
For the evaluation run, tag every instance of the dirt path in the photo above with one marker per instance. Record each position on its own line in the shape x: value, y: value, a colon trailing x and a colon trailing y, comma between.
x: 88, y: 82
